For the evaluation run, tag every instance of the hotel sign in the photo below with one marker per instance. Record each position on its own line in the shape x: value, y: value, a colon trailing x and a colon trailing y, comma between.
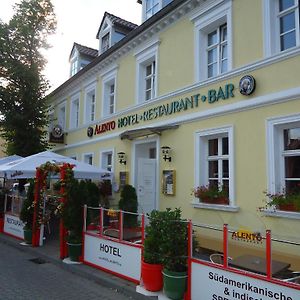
x: 173, y: 107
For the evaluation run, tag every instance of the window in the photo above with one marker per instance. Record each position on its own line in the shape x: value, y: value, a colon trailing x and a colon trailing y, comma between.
x: 62, y: 116
x: 152, y: 7
x: 150, y: 81
x: 284, y: 154
x: 213, y: 35
x: 105, y: 43
x: 107, y: 160
x: 88, y: 158
x: 74, y: 67
x: 74, y: 116
x: 281, y: 28
x: 146, y: 80
x: 90, y: 106
x: 109, y: 91
x: 214, y: 162
x: 217, y: 56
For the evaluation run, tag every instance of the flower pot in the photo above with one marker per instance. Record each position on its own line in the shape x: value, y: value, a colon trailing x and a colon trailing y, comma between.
x: 27, y: 235
x: 152, y: 276
x: 74, y: 251
x: 175, y: 284
x: 288, y: 207
x: 219, y: 200
x: 1, y: 225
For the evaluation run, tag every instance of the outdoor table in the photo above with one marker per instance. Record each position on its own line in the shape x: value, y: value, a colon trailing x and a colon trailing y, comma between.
x: 128, y: 235
x: 257, y: 264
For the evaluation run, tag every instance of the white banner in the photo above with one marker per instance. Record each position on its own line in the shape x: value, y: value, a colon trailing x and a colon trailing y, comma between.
x: 210, y: 283
x: 14, y: 226
x: 119, y: 258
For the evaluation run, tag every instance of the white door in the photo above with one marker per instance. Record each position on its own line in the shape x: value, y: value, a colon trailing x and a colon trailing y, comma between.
x: 146, y: 181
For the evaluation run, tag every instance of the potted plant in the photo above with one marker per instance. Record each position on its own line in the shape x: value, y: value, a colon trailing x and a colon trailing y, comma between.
x: 128, y: 202
x: 72, y: 215
x: 284, y: 201
x: 26, y: 214
x: 152, y: 256
x: 212, y: 194
x: 174, y: 243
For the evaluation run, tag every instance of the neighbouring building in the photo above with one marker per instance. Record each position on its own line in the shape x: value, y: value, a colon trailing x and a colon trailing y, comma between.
x: 203, y: 92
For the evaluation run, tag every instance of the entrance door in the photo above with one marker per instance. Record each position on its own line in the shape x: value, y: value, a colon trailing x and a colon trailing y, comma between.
x: 146, y: 184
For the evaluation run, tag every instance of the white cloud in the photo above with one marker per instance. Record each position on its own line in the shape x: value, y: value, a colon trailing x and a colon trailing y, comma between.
x: 78, y: 21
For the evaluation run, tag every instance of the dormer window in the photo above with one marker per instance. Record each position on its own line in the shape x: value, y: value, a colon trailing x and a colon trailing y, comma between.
x: 152, y: 7
x: 105, y: 43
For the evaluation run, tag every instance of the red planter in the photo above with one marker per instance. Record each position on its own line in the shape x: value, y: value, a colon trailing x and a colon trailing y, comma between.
x: 288, y: 207
x: 152, y: 277
x: 220, y: 200
x: 1, y: 225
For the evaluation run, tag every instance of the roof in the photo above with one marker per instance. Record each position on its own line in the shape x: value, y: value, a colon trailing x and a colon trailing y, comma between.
x: 118, y: 22
x: 93, y: 53
x: 130, y: 36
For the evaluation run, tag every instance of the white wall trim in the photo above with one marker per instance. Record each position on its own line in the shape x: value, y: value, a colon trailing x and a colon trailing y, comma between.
x: 260, y: 101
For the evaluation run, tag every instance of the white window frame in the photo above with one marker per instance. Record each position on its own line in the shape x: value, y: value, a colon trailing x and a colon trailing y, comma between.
x: 201, y: 164
x: 109, y: 78
x: 61, y: 117
x: 75, y: 114
x: 206, y: 22
x: 86, y: 156
x: 88, y: 104
x: 103, y: 159
x: 275, y: 148
x: 144, y: 57
x: 104, y: 31
x: 271, y: 32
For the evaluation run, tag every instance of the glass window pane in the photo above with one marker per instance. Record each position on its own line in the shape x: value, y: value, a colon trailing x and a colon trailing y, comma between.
x: 224, y: 33
x: 292, y: 186
x: 148, y: 70
x: 224, y: 66
x: 224, y: 51
x: 212, y: 70
x: 212, y: 55
x: 213, y: 147
x: 288, y: 40
x: 112, y: 88
x: 291, y: 139
x: 225, y: 186
x: 148, y: 95
x: 292, y: 167
x: 148, y: 84
x: 213, y: 183
x: 213, y: 169
x: 287, y: 22
x: 225, y: 150
x: 284, y: 4
x: 225, y: 168
x: 212, y: 38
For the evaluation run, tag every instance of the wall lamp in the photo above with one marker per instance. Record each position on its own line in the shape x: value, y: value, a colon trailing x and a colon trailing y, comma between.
x: 165, y: 151
x: 122, y: 157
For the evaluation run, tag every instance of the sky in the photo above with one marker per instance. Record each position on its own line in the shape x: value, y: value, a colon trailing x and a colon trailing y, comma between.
x: 77, y: 21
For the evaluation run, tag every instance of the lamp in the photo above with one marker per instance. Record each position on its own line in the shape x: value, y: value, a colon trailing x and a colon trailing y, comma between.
x: 165, y: 151
x: 122, y: 157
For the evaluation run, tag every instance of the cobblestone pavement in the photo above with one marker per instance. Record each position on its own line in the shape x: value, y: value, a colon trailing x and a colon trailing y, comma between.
x: 21, y: 278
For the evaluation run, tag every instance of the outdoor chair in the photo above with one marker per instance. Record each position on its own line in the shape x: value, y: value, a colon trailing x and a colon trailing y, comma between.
x: 218, y: 258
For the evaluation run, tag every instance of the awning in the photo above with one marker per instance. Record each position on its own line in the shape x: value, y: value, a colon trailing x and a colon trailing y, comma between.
x: 136, y: 133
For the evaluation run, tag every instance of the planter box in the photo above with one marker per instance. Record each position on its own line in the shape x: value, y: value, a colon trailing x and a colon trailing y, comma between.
x: 220, y: 200
x: 288, y: 207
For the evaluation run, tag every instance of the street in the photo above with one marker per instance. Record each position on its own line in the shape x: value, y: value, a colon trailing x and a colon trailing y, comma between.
x: 22, y: 278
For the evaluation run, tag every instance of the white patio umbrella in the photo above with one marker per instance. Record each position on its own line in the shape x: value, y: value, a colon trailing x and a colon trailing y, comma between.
x: 26, y: 167
x: 7, y: 159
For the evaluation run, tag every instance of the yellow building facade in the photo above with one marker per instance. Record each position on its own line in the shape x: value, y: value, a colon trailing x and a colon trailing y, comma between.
x: 218, y: 83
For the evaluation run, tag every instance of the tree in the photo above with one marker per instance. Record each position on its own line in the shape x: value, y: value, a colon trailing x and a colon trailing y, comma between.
x: 23, y: 105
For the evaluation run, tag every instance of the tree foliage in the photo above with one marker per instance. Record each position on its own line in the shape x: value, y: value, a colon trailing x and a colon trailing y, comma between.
x: 23, y: 106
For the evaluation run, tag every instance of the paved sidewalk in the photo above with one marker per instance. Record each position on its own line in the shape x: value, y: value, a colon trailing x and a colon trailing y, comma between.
x: 50, y: 253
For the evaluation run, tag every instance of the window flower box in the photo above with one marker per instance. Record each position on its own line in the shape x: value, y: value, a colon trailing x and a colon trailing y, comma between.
x: 211, y: 195
x: 284, y: 201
